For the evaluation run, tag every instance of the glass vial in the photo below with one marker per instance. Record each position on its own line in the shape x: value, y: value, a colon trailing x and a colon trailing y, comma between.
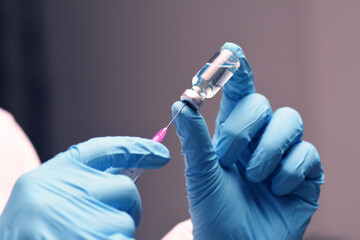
x: 211, y: 78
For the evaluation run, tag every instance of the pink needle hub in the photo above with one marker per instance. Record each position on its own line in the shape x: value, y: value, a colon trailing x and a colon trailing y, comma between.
x: 160, y: 135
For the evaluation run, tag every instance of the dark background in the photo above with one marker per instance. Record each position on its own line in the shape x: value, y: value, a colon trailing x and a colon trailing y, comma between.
x: 75, y: 69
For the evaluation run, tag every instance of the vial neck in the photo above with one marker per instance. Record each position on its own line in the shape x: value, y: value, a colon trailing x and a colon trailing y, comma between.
x: 200, y: 92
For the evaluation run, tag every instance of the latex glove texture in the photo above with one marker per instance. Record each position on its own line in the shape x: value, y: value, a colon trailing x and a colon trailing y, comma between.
x: 256, y: 179
x: 73, y: 195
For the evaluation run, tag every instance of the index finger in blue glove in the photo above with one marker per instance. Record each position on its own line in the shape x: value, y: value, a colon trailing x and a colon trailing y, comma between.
x: 238, y: 86
x: 125, y: 152
x: 284, y: 130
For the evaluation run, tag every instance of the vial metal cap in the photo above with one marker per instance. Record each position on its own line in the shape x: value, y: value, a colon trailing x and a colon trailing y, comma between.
x: 193, y: 98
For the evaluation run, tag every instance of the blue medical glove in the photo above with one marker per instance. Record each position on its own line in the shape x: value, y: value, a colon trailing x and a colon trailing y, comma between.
x: 256, y: 179
x: 72, y: 197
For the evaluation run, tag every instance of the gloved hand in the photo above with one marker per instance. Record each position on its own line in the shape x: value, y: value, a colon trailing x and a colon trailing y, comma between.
x: 256, y: 179
x: 73, y: 197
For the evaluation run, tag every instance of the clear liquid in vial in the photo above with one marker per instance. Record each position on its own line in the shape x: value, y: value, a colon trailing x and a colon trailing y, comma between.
x: 212, y: 77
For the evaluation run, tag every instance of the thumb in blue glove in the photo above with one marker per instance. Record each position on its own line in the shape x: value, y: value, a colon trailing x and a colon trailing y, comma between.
x: 72, y: 197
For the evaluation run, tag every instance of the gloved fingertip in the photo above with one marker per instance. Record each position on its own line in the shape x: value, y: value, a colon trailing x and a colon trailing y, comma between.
x: 160, y: 149
x: 308, y: 191
x: 242, y: 83
x: 236, y: 49
x: 159, y: 152
x: 163, y: 157
x: 176, y: 107
x: 186, y: 120
x: 179, y: 105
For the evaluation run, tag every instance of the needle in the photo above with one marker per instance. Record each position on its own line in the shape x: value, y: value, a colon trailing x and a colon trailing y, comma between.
x: 134, y: 173
x: 175, y: 115
x: 162, y: 133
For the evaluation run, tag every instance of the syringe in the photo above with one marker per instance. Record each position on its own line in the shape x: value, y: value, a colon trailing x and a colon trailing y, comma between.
x: 134, y: 173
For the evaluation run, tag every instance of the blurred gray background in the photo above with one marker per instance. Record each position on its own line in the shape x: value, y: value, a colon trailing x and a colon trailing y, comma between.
x: 75, y: 69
